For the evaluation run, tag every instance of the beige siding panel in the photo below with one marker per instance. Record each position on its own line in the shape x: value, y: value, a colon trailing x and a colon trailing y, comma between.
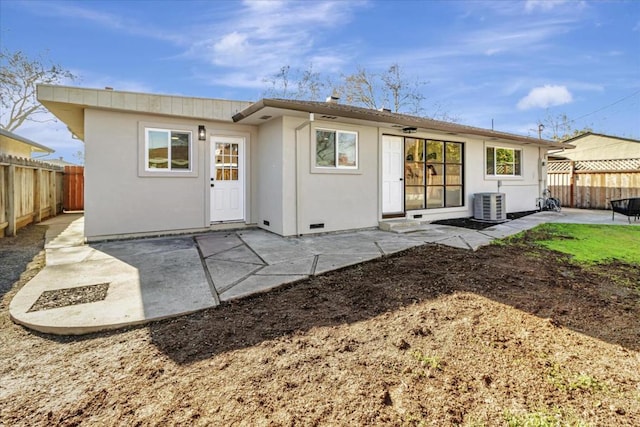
x: 117, y: 100
x: 104, y: 99
x: 90, y: 97
x: 143, y: 103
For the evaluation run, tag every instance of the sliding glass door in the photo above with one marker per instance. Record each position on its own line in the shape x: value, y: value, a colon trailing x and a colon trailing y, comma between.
x: 433, y: 174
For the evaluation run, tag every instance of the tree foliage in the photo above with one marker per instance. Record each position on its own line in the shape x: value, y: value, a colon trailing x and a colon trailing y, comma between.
x: 19, y: 76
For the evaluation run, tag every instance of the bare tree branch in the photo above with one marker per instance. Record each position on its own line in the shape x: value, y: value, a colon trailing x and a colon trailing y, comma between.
x: 390, y: 89
x: 19, y: 76
x: 560, y: 127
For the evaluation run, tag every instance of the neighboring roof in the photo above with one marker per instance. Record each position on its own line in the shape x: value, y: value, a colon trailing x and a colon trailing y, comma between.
x: 34, y: 145
x: 68, y: 104
x: 330, y: 110
x: 59, y: 162
x: 602, y: 135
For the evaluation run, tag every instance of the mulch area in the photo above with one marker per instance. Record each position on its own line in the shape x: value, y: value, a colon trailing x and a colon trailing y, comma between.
x: 475, y: 224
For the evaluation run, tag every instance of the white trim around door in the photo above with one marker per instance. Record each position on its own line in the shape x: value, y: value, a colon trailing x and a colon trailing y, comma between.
x: 392, y: 175
x: 227, y: 178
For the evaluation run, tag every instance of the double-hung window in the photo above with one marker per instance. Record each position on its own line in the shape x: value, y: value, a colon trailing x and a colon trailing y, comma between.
x: 167, y: 150
x: 336, y: 149
x: 504, y: 161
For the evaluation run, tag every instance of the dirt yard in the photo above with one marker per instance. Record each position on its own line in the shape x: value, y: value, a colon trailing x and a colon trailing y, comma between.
x: 432, y: 336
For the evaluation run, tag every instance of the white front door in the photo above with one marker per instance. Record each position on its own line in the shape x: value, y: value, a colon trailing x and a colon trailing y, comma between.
x: 227, y: 178
x: 392, y: 174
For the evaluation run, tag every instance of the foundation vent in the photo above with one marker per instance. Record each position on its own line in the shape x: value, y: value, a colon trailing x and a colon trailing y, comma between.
x: 316, y: 226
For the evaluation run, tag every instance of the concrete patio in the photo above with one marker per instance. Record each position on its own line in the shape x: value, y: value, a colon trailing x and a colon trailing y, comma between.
x: 155, y: 278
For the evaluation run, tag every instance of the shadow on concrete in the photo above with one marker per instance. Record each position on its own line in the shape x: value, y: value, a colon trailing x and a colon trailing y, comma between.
x: 568, y: 295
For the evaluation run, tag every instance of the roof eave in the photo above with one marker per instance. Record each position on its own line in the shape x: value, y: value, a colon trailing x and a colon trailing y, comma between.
x: 393, y: 118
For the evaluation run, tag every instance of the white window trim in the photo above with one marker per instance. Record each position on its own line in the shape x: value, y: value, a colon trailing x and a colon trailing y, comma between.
x: 495, y: 168
x: 337, y: 167
x: 143, y: 164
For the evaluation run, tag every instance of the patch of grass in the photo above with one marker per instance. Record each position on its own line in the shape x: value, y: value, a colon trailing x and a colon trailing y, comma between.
x: 564, y: 380
x: 585, y: 382
x: 432, y: 362
x: 586, y: 243
x: 541, y: 418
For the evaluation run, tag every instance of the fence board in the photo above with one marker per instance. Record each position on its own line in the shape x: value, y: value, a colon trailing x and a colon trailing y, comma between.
x: 73, y: 188
x: 28, y: 192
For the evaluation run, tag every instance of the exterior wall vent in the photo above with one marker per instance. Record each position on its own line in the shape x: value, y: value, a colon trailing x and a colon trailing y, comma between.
x: 265, y: 222
x: 315, y: 226
x: 489, y: 207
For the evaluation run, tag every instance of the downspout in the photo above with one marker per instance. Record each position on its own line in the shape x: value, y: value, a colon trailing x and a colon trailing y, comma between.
x: 297, y: 170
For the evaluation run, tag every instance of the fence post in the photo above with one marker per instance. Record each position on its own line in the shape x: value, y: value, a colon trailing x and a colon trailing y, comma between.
x: 11, y: 201
x: 572, y: 184
x: 37, y: 184
x: 52, y: 193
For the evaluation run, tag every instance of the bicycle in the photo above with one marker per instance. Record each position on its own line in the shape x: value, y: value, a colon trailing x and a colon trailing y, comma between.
x: 548, y: 203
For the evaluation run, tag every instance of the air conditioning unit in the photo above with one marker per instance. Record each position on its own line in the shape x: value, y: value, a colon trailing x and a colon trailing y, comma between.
x: 489, y: 207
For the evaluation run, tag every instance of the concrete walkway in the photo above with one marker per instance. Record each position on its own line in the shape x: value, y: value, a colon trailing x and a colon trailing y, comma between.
x: 156, y: 278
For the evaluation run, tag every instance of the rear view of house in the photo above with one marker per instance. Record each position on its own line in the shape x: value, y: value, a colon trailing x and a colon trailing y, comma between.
x: 164, y: 164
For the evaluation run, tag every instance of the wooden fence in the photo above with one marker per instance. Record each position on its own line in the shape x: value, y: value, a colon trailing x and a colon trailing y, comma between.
x: 592, y: 184
x: 30, y: 191
x: 73, y: 188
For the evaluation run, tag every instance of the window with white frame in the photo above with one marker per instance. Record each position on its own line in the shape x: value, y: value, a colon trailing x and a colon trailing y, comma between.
x: 336, y: 149
x: 167, y: 150
x: 504, y: 161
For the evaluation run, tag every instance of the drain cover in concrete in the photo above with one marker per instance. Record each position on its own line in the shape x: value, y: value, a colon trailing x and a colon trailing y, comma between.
x: 70, y: 296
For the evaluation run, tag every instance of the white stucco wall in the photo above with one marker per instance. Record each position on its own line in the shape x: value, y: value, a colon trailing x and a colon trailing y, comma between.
x: 520, y: 192
x: 339, y: 199
x: 269, y: 168
x: 118, y: 201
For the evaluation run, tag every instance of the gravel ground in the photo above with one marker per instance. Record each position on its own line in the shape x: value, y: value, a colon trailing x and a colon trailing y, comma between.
x: 17, y: 252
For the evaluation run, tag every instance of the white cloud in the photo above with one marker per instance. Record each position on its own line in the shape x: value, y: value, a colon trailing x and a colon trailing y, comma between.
x: 267, y: 35
x: 544, y: 5
x: 545, y: 96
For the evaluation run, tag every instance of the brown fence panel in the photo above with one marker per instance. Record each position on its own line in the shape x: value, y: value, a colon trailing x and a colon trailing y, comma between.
x: 29, y: 192
x: 73, y: 188
x: 593, y: 184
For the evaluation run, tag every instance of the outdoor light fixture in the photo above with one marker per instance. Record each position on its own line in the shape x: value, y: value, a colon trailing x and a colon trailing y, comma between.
x: 202, y: 133
x: 409, y: 129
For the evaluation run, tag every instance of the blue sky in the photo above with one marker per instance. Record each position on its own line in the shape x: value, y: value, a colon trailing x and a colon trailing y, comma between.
x: 511, y: 61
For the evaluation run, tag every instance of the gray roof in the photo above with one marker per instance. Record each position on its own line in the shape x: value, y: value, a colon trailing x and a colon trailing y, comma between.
x: 385, y: 116
x: 13, y: 136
